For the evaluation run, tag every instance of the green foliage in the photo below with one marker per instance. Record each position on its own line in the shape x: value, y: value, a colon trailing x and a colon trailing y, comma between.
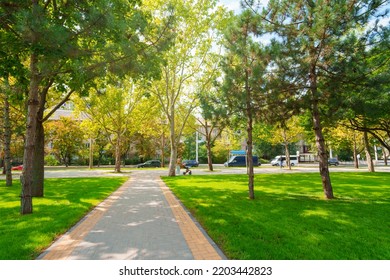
x: 66, y: 201
x: 66, y: 138
x: 51, y: 160
x: 292, y: 221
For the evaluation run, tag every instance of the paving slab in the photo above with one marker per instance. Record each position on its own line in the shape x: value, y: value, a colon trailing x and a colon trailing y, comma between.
x: 142, y: 220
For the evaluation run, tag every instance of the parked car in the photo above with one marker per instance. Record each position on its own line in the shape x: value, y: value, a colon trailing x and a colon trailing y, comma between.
x: 190, y: 163
x: 150, y: 163
x: 333, y: 161
x: 240, y: 161
x: 18, y: 167
x: 276, y: 160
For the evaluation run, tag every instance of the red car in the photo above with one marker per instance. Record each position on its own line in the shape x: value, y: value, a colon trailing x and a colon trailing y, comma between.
x: 19, y: 167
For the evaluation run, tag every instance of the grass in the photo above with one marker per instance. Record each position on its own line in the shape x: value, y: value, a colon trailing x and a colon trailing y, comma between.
x: 66, y: 201
x: 290, y: 219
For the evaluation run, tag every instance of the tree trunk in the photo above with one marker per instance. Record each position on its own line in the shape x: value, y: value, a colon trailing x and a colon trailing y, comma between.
x: 287, y: 153
x: 209, y: 157
x: 118, y: 154
x: 173, y: 161
x: 250, y: 170
x: 7, y: 137
x: 322, y: 155
x: 208, y: 147
x: 355, y: 154
x: 384, y: 155
x: 173, y: 156
x: 249, y: 129
x: 39, y: 160
x: 90, y: 153
x: 370, y: 164
x: 29, y: 146
x: 317, y: 127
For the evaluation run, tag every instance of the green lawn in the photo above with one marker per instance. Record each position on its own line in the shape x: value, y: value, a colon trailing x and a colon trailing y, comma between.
x: 66, y: 201
x: 290, y: 219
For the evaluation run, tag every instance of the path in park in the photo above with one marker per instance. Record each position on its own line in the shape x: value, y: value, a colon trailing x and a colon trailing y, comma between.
x: 142, y: 220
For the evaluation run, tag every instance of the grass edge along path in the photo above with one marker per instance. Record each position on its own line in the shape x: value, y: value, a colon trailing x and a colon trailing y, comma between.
x: 290, y: 219
x: 66, y: 202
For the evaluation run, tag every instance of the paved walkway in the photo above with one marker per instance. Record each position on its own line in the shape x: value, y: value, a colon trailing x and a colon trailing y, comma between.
x: 142, y: 220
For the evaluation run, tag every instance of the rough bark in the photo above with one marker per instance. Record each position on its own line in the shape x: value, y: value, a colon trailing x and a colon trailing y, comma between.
x: 317, y: 127
x: 208, y: 147
x: 322, y: 155
x: 39, y: 160
x: 250, y: 171
x: 209, y: 155
x: 29, y: 146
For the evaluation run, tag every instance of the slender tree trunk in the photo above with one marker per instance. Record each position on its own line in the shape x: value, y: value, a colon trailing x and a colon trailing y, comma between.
x: 317, y: 127
x: 173, y: 156
x: 7, y: 137
x: 173, y: 160
x: 39, y: 160
x: 250, y: 169
x: 118, y: 154
x: 384, y: 155
x: 29, y: 146
x: 370, y: 164
x: 287, y: 153
x: 90, y: 153
x: 209, y: 156
x: 162, y: 150
x: 208, y: 147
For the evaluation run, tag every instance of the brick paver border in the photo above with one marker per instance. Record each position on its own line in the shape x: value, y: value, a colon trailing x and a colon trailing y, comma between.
x: 64, y: 246
x: 199, y: 245
x: 197, y: 242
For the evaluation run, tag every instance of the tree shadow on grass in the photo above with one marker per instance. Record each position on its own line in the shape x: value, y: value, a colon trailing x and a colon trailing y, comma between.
x: 288, y: 224
x: 65, y: 202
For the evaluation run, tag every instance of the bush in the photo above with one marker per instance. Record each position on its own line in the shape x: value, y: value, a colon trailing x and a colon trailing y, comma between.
x: 51, y: 160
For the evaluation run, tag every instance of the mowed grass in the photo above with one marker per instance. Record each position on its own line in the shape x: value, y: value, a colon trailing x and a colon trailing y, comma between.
x: 66, y: 201
x: 290, y: 219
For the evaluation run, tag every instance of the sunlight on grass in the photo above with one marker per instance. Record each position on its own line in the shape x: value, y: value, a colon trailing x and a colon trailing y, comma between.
x: 290, y: 218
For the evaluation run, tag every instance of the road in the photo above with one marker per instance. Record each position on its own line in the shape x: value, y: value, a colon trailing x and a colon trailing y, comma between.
x: 63, y: 172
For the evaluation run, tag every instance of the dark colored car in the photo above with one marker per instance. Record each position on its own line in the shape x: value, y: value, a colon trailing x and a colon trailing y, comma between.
x: 333, y: 161
x: 190, y: 163
x: 150, y: 163
x: 240, y: 161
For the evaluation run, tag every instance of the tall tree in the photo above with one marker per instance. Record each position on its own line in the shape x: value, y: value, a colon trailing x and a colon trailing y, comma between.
x: 65, y: 137
x: 183, y: 74
x: 69, y: 44
x: 244, y: 69
x: 111, y: 107
x: 311, y: 37
x: 213, y: 116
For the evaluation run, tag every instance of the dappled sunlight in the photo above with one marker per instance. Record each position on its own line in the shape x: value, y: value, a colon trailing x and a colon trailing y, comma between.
x: 290, y: 218
x: 315, y: 212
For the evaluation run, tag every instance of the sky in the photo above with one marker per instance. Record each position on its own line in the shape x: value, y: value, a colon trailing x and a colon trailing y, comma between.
x: 235, y: 5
